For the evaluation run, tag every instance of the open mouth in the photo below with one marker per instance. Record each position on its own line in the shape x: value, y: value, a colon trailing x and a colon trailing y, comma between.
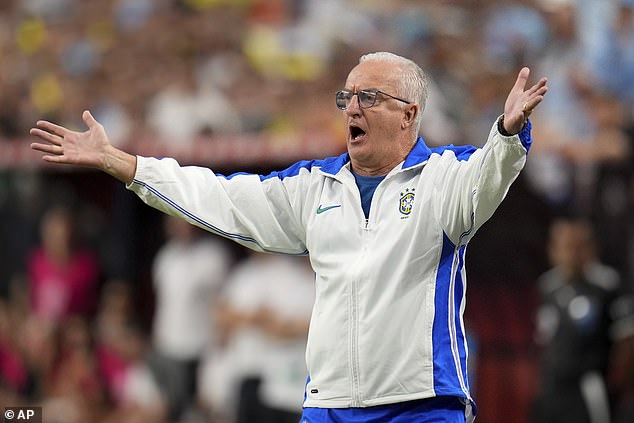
x: 356, y: 132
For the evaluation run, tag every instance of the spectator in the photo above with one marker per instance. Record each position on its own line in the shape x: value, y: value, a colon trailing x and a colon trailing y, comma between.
x: 38, y: 351
x: 613, y: 56
x: 187, y: 272
x: 549, y: 171
x: 182, y: 111
x: 13, y: 374
x: 74, y: 392
x: 63, y: 276
x: 622, y: 360
x: 285, y: 316
x: 121, y: 351
x: 573, y: 325
x: 266, y: 308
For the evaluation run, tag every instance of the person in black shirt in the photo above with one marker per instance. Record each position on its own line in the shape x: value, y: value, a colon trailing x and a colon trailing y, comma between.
x: 573, y: 327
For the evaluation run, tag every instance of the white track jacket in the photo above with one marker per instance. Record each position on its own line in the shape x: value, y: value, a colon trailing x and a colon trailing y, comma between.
x: 387, y: 323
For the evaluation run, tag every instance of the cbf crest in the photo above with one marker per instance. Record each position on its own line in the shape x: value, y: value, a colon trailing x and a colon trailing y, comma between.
x: 407, y: 201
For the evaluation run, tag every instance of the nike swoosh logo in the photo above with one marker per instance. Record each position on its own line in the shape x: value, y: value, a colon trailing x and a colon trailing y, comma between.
x: 321, y: 209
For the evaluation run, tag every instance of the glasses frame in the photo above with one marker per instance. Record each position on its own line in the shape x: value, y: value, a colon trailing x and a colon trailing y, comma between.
x: 362, y: 97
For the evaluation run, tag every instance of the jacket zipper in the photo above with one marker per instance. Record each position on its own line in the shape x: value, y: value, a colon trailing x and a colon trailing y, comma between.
x: 354, y: 311
x: 354, y: 360
x: 354, y: 317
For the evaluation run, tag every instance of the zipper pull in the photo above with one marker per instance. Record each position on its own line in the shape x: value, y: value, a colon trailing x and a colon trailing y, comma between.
x: 367, y: 222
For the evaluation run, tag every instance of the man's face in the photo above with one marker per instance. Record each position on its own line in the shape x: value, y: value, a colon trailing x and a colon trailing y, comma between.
x: 374, y: 134
x: 570, y: 247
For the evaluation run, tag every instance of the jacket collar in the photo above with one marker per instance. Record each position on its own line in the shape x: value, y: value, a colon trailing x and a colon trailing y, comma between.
x: 333, y: 165
x: 419, y: 154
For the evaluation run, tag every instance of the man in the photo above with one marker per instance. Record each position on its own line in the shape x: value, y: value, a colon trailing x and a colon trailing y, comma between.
x: 577, y: 325
x: 266, y: 307
x: 187, y: 273
x: 386, y: 227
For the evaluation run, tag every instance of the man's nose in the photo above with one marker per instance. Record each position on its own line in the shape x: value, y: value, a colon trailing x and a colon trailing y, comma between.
x: 354, y: 109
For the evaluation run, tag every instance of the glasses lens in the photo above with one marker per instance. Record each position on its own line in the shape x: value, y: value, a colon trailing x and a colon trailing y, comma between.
x: 342, y: 98
x: 367, y: 98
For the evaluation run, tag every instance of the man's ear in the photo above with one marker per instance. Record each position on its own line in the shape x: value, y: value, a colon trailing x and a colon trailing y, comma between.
x: 409, y: 115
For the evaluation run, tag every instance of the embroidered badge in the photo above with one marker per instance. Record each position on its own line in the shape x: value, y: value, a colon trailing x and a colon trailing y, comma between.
x: 407, y: 201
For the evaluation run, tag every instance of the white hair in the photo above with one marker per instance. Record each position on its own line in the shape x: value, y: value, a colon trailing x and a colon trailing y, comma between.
x: 413, y: 86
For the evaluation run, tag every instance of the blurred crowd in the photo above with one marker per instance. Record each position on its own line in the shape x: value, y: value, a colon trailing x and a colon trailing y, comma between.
x: 226, y: 343
x: 72, y: 335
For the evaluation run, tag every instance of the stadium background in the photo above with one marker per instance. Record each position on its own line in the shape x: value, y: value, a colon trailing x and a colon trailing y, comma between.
x: 247, y: 85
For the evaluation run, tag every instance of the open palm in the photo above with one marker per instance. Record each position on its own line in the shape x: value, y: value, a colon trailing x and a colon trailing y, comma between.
x: 64, y: 146
x: 521, y: 102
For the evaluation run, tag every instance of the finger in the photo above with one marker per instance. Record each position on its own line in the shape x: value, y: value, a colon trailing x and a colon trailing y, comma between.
x: 541, y: 84
x: 527, y: 109
x: 530, y: 105
x: 532, y: 101
x: 54, y: 159
x: 47, y: 136
x: 89, y: 119
x: 522, y: 77
x: 539, y: 94
x: 48, y: 149
x: 51, y: 127
x: 542, y: 91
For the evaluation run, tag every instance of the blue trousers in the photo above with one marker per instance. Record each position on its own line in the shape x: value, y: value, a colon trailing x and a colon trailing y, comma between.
x: 430, y: 410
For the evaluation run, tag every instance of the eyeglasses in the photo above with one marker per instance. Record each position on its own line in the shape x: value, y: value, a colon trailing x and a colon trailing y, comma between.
x: 367, y: 98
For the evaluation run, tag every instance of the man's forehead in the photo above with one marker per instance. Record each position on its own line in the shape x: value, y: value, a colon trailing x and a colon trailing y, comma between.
x: 372, y: 74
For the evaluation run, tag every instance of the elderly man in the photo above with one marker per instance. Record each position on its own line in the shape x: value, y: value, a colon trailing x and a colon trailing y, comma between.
x: 386, y: 226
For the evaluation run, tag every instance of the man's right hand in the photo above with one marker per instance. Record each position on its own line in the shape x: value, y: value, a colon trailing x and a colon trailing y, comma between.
x: 90, y: 148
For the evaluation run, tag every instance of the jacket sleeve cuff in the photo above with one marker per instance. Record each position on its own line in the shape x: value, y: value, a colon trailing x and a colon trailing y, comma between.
x: 138, y: 175
x: 524, y: 135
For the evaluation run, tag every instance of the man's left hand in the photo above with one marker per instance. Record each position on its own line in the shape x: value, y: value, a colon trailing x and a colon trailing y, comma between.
x: 521, y: 102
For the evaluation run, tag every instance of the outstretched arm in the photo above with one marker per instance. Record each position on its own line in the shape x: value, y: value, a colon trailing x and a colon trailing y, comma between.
x: 473, y: 189
x: 521, y: 102
x: 262, y: 215
x: 90, y: 148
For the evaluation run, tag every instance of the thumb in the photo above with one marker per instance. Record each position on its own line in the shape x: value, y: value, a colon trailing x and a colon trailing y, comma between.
x: 522, y: 78
x: 89, y: 119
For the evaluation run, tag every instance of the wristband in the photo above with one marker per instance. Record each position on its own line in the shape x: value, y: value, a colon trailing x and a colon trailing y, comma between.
x: 502, y: 131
